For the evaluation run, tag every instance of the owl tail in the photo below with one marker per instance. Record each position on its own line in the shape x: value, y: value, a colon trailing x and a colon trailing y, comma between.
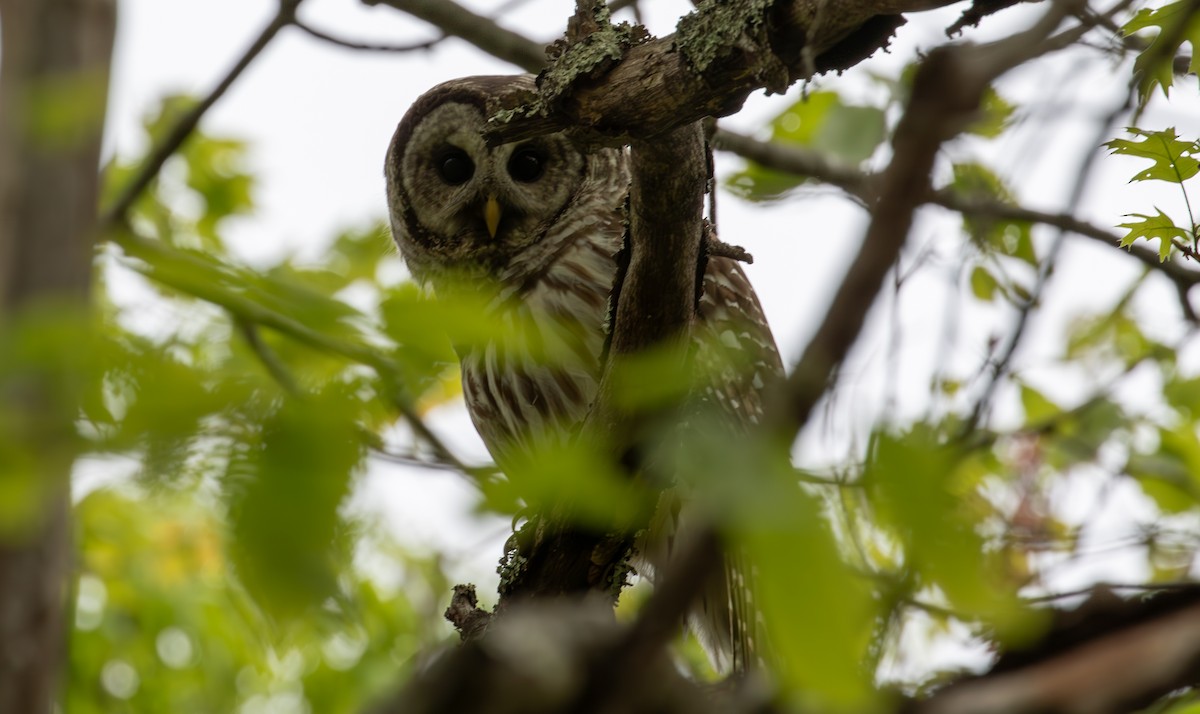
x: 723, y: 616
x: 725, y: 621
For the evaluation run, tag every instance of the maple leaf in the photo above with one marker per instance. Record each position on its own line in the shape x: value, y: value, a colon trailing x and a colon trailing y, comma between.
x: 1174, y: 159
x: 1177, y: 23
x: 1160, y: 227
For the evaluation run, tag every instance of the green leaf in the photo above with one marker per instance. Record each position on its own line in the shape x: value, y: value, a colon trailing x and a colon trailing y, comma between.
x: 997, y: 114
x: 1170, y: 476
x: 1154, y: 66
x: 1037, y: 407
x: 1159, y: 227
x: 920, y: 489
x: 577, y: 477
x: 1183, y: 393
x: 1012, y: 238
x: 1174, y: 159
x: 820, y: 120
x: 63, y: 109
x: 848, y: 133
x: 286, y: 486
x: 983, y: 284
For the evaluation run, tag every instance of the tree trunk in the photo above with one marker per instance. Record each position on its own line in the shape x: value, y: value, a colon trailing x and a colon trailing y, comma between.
x: 53, y: 92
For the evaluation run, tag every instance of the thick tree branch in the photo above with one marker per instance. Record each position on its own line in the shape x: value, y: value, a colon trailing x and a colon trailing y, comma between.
x: 1111, y: 656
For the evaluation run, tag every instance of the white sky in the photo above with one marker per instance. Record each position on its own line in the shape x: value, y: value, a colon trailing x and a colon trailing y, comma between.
x: 318, y: 119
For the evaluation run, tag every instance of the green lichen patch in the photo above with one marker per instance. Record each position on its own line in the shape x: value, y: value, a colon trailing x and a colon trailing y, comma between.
x: 589, y: 57
x: 719, y: 27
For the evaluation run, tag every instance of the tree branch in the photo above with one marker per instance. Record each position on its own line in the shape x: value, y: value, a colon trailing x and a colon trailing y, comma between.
x: 807, y: 162
x: 186, y: 124
x: 947, y: 91
x: 1110, y: 656
x: 456, y: 21
x: 365, y: 46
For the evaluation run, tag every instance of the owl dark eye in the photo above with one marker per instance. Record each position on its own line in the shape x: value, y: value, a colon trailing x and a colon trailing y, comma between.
x: 526, y: 164
x: 454, y: 166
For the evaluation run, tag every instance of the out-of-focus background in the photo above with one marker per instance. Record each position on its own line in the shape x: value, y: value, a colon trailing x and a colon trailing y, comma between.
x: 161, y: 625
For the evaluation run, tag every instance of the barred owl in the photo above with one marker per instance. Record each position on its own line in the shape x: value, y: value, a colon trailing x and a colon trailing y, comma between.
x: 536, y: 225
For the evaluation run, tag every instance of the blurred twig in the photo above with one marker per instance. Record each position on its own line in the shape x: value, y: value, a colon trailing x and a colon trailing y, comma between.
x: 365, y: 46
x: 455, y: 20
x: 1000, y: 367
x: 186, y: 124
x: 802, y: 161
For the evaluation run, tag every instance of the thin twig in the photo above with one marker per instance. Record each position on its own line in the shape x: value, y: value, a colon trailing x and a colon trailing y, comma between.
x: 1000, y: 367
x: 1092, y: 589
x: 478, y: 473
x: 457, y: 21
x: 365, y: 46
x: 275, y: 366
x: 186, y: 124
x: 807, y: 162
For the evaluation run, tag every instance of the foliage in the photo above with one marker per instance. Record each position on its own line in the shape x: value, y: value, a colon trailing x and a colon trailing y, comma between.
x: 1177, y: 22
x: 1174, y: 162
x: 848, y: 133
x: 225, y: 574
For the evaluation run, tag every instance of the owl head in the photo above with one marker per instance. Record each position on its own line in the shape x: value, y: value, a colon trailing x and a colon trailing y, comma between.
x: 460, y: 208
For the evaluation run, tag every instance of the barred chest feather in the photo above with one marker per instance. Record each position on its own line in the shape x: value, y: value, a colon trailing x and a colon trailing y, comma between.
x: 541, y: 384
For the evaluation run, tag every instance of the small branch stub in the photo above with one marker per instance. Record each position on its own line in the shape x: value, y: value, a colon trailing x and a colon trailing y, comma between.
x: 465, y: 615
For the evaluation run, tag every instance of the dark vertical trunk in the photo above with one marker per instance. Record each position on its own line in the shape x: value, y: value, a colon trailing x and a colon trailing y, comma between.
x: 53, y: 89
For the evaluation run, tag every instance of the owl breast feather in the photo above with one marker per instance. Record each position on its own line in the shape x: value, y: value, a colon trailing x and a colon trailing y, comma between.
x: 538, y: 384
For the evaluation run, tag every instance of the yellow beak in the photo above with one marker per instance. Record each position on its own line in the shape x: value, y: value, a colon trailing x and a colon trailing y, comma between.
x: 491, y: 215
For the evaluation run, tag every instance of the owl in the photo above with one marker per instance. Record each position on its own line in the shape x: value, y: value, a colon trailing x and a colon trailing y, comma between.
x: 535, y: 226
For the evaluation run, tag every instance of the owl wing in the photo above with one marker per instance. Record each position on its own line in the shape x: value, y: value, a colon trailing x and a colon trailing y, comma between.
x: 735, y: 362
x: 736, y: 349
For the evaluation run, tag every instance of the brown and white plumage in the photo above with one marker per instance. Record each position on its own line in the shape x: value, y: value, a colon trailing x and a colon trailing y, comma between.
x: 543, y: 254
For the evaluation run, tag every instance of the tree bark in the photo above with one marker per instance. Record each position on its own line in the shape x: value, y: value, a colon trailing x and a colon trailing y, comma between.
x: 53, y: 91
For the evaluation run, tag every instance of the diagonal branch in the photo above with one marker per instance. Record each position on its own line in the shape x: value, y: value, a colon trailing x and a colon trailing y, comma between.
x: 807, y: 162
x: 457, y: 21
x: 186, y: 124
x: 947, y: 91
x: 365, y: 46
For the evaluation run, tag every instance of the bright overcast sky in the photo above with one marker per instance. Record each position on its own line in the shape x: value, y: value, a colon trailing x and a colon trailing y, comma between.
x: 319, y: 117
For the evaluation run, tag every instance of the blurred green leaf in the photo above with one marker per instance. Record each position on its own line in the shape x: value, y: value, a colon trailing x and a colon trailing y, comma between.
x: 577, y: 477
x: 285, y: 489
x: 65, y: 109
x: 996, y: 115
x: 156, y: 594
x: 920, y: 488
x: 1012, y: 238
x: 983, y: 284
x: 47, y: 364
x: 1037, y: 407
x: 821, y: 120
x: 849, y: 134
x: 1171, y: 475
x: 786, y: 540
